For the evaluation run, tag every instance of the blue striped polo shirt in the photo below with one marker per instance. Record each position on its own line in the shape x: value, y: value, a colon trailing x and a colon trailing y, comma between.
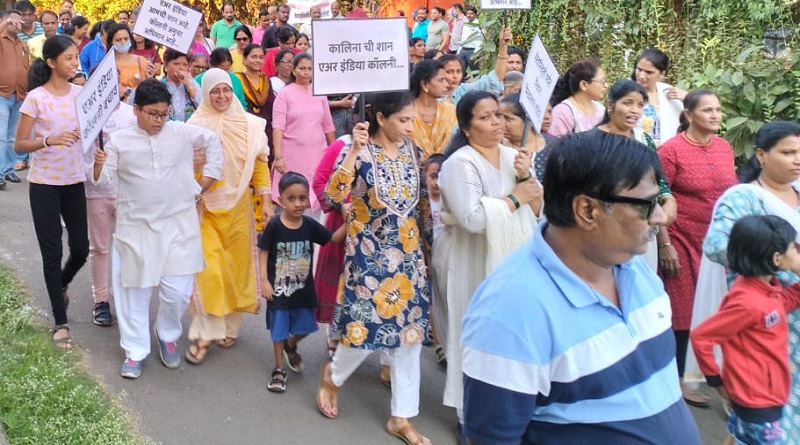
x: 547, y: 360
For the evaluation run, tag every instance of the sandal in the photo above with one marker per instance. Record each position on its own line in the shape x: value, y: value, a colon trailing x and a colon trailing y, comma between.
x: 227, y: 342
x: 694, y: 398
x: 278, y: 381
x: 292, y: 358
x: 20, y: 165
x: 326, y: 385
x: 199, y: 354
x: 441, y: 357
x: 408, y: 434
x: 64, y: 342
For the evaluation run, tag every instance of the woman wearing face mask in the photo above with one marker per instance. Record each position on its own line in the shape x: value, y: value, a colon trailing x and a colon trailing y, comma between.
x: 132, y: 68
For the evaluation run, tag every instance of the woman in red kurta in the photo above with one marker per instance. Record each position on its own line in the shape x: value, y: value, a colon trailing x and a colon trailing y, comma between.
x: 699, y: 167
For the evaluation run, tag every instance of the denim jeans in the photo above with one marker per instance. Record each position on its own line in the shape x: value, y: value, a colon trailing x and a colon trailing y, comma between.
x: 9, y: 118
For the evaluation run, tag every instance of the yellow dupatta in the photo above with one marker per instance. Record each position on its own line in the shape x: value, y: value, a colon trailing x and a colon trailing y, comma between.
x: 243, y: 141
x: 433, y: 138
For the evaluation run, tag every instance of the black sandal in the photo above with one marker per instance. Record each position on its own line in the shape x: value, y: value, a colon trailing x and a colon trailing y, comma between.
x: 63, y: 342
x: 292, y: 358
x: 278, y: 381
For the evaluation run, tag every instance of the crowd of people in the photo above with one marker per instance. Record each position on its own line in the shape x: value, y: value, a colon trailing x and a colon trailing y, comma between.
x: 556, y: 271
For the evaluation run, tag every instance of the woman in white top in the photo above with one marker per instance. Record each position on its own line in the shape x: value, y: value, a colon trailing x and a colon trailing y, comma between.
x: 283, y: 70
x: 488, y: 201
x: 577, y: 95
x: 663, y: 110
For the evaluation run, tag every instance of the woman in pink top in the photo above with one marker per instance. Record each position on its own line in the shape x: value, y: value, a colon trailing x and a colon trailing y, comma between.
x: 48, y: 129
x: 301, y: 127
x: 577, y: 95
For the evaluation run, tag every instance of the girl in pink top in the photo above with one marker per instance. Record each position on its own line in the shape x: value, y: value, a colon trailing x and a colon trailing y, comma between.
x: 577, y: 95
x: 301, y: 127
x: 48, y: 129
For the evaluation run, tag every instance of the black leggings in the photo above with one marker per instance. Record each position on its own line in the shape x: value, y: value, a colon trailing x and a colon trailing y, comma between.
x: 681, y: 346
x: 50, y: 203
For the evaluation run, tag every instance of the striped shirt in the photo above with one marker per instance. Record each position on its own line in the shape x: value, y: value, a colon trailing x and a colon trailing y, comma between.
x: 547, y: 360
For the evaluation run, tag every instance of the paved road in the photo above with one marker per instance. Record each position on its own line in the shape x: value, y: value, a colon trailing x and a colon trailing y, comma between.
x: 225, y: 400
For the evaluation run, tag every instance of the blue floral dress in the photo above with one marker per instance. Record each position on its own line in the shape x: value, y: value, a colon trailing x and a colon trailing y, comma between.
x: 383, y: 296
x: 715, y: 245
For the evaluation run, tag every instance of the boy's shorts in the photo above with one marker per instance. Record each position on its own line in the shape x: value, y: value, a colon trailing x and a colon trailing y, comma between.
x: 285, y: 322
x: 747, y: 433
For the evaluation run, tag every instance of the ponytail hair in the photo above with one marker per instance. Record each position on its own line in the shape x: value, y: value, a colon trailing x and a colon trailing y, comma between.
x: 690, y: 103
x: 570, y: 82
x: 39, y: 72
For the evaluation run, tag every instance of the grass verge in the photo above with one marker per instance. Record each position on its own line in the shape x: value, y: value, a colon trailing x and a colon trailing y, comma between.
x: 44, y: 396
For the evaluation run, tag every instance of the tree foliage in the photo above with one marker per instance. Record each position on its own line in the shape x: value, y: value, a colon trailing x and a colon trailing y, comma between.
x: 704, y: 39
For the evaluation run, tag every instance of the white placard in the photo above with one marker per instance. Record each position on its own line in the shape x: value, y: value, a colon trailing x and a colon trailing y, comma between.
x: 505, y: 4
x: 300, y: 10
x: 168, y: 23
x: 360, y: 56
x: 97, y: 100
x: 540, y: 79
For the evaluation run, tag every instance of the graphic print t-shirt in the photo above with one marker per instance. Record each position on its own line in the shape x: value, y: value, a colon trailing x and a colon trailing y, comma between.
x: 290, y: 261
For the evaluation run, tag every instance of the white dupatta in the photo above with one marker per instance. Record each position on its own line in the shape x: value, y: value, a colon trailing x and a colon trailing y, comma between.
x: 505, y: 230
x: 712, y: 284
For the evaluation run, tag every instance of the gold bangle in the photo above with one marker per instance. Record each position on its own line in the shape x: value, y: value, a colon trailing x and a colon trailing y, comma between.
x: 345, y: 170
x: 662, y: 245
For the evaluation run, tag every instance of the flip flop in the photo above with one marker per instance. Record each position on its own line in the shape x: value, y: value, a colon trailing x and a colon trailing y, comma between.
x: 329, y: 387
x: 63, y: 342
x: 405, y: 432
x: 227, y: 342
x: 200, y: 354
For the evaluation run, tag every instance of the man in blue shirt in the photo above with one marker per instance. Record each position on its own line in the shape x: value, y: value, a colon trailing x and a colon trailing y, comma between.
x: 94, y: 51
x: 421, y: 27
x: 570, y: 341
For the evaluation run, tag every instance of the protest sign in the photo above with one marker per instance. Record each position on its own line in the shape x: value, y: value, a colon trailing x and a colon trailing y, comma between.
x: 300, y: 10
x: 346, y: 61
x: 97, y: 100
x: 540, y: 79
x: 505, y: 4
x: 168, y: 23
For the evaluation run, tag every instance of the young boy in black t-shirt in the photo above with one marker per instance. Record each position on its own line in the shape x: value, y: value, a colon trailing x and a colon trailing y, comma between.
x: 286, y: 252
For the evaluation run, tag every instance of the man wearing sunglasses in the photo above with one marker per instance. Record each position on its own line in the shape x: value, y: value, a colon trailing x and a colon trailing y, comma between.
x: 571, y: 337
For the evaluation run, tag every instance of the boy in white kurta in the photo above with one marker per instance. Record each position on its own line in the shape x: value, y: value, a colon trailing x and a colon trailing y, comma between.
x: 157, y: 240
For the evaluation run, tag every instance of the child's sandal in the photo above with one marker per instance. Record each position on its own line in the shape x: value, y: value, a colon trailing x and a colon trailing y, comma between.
x: 278, y: 381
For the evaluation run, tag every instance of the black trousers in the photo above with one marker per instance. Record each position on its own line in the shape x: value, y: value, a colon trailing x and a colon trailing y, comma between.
x: 50, y: 203
x: 681, y: 347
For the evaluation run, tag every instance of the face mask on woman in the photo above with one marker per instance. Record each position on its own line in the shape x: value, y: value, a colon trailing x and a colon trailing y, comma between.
x: 122, y: 47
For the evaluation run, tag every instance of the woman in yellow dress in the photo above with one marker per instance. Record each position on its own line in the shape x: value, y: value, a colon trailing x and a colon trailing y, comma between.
x: 227, y: 286
x: 434, y: 120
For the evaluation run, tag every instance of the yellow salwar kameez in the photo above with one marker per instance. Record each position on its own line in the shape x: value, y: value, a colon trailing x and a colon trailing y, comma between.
x: 227, y: 286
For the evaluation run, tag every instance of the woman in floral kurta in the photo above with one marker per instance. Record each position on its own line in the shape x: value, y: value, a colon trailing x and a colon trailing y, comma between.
x: 383, y: 296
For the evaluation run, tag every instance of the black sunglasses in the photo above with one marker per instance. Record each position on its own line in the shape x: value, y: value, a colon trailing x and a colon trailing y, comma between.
x: 647, y: 204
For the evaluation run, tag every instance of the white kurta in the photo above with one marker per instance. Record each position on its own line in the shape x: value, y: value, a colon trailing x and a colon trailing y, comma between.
x: 158, y: 230
x: 460, y: 254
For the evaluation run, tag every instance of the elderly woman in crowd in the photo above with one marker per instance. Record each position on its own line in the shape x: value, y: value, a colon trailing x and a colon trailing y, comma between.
x: 383, y: 293
x: 699, y: 167
x: 227, y: 286
x: 490, y: 202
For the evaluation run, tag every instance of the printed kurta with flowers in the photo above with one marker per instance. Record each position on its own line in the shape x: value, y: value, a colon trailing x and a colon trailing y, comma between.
x: 383, y: 296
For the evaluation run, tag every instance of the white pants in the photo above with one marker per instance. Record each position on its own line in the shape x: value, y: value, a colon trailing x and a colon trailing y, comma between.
x: 133, y: 310
x: 405, y: 368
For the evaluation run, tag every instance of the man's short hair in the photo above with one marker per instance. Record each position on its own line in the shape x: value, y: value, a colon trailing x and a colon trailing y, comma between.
x: 473, y: 9
x: 24, y: 6
x: 8, y: 12
x: 592, y: 163
x: 152, y: 91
